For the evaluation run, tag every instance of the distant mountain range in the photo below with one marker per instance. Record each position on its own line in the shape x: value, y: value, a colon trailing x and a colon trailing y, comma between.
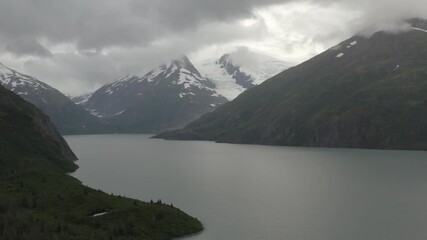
x: 167, y: 97
x: 67, y: 116
x: 362, y: 93
x: 172, y: 95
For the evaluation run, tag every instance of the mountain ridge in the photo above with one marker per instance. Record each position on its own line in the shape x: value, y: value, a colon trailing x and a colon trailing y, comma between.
x: 363, y: 93
x: 65, y: 114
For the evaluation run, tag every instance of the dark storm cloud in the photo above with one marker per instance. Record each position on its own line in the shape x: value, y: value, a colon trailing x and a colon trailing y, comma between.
x: 190, y: 13
x: 96, y: 24
x: 23, y: 47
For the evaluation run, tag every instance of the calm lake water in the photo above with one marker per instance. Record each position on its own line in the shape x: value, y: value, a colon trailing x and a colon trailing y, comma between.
x: 244, y: 192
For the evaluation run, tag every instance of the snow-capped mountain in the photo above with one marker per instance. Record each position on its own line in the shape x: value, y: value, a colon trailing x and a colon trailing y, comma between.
x: 169, y: 96
x: 25, y: 86
x: 67, y: 116
x: 235, y: 72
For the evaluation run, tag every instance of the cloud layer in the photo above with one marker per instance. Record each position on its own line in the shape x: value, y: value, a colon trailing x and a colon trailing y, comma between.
x: 79, y: 45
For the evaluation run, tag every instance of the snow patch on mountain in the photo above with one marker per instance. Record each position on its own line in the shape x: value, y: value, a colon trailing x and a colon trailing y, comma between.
x: 109, y: 91
x: 340, y: 55
x: 224, y: 83
x: 344, y: 48
x: 119, y: 113
x: 235, y: 72
x: 96, y: 113
x: 20, y: 83
x: 188, y: 79
x: 183, y: 94
x: 262, y: 67
x: 419, y: 29
x: 80, y: 100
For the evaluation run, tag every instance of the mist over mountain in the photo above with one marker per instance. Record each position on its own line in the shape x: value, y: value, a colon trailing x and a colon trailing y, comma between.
x: 237, y: 71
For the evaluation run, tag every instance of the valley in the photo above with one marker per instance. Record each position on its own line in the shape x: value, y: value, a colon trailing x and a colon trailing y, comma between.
x: 202, y: 120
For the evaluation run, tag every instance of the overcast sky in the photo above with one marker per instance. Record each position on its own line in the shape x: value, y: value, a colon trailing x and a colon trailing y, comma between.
x: 79, y: 45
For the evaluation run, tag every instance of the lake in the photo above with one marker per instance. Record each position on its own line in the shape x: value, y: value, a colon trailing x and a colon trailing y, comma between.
x: 248, y: 192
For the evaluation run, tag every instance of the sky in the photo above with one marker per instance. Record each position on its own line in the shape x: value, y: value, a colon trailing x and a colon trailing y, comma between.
x: 77, y: 46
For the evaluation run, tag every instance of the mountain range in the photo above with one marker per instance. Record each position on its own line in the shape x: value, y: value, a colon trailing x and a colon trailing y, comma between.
x: 366, y: 92
x: 164, y: 98
x: 173, y: 94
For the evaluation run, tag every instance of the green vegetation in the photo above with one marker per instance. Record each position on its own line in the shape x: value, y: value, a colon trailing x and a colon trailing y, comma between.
x: 374, y: 96
x: 39, y: 201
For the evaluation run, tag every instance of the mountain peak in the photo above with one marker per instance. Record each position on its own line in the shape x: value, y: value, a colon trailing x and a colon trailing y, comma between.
x: 181, y: 63
x: 237, y: 71
x: 224, y: 60
x: 168, y: 96
x: 153, y: 76
x: 180, y: 68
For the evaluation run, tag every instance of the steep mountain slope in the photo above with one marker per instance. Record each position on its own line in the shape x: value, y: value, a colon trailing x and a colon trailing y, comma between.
x: 67, y: 116
x: 235, y: 72
x: 167, y: 97
x: 25, y: 129
x: 363, y: 93
x: 39, y: 201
